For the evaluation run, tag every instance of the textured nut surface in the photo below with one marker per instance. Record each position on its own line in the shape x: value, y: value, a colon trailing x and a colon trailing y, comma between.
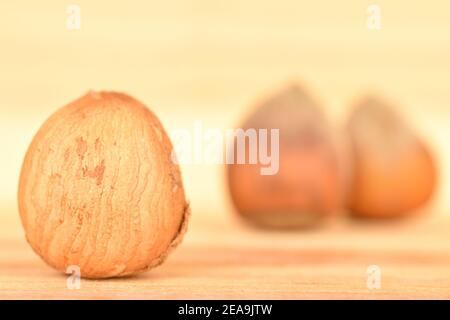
x: 98, y: 189
x: 308, y: 184
x: 394, y: 171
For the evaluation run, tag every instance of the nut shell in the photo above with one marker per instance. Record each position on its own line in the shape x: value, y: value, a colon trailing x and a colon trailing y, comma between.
x: 308, y: 185
x: 394, y: 170
x: 98, y: 189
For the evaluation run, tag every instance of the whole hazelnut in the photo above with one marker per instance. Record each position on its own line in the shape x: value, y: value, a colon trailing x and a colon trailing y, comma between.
x: 394, y: 171
x: 98, y: 190
x: 308, y: 185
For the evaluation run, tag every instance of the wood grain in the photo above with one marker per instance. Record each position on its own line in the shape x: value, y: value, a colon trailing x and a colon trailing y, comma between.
x: 223, y: 258
x: 209, y: 61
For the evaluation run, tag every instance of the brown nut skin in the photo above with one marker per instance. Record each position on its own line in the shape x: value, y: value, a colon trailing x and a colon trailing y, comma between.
x: 98, y: 189
x: 307, y: 187
x: 394, y: 172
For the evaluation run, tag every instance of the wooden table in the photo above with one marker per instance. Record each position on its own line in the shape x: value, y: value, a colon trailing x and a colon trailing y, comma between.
x: 223, y: 258
x: 209, y: 62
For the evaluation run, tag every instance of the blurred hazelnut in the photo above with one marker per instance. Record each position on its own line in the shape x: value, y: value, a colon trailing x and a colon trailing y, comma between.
x: 394, y: 171
x: 308, y: 185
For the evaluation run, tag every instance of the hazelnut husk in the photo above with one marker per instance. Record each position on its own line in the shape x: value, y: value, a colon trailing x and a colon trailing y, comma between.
x: 98, y: 189
x: 308, y: 186
x: 394, y: 172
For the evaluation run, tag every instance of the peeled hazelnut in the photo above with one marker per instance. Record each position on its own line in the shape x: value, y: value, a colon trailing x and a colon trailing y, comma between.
x: 307, y: 186
x: 394, y: 171
x: 98, y: 189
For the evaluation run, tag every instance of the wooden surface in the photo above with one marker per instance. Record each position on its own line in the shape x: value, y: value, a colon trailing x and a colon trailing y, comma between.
x: 223, y: 258
x: 209, y: 61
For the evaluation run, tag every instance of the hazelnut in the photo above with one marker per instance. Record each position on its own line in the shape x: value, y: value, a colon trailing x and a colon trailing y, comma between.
x: 98, y: 189
x: 394, y: 171
x: 308, y: 185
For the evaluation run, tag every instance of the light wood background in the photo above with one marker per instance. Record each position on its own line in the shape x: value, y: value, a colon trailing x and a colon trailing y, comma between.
x: 209, y: 61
